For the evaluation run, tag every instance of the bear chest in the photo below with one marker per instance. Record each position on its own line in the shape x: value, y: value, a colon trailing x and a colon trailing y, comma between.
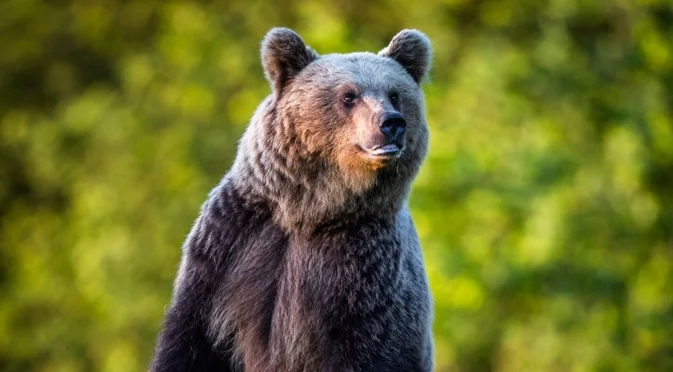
x: 287, y: 296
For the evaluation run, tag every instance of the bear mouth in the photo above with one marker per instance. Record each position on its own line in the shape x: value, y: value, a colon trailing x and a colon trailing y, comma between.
x: 387, y: 151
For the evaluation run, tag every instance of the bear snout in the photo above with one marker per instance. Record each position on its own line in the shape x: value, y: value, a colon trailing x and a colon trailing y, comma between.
x: 386, y: 138
x: 393, y: 126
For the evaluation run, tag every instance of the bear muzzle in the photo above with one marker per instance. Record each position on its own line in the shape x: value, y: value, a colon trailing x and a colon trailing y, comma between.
x: 392, y: 127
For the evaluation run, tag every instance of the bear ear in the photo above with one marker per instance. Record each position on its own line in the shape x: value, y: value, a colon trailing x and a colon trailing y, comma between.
x: 284, y: 54
x: 411, y: 49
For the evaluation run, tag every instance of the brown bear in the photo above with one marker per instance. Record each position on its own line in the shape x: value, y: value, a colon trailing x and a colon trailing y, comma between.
x: 305, y: 257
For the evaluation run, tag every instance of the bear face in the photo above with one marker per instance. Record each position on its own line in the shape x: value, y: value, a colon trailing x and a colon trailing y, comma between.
x: 359, y: 110
x: 337, y: 127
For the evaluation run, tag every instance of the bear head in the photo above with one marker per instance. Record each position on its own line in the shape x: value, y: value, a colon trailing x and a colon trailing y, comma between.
x: 341, y: 132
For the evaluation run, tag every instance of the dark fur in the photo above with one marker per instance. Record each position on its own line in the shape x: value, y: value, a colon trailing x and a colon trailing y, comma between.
x: 305, y: 257
x: 412, y: 50
x: 284, y: 54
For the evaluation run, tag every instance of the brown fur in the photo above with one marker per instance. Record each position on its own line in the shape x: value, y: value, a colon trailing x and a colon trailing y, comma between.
x: 305, y: 257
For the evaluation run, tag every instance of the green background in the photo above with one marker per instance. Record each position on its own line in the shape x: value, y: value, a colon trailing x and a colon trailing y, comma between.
x: 545, y: 206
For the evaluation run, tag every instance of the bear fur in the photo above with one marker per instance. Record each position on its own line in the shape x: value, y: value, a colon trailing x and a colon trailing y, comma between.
x: 305, y: 257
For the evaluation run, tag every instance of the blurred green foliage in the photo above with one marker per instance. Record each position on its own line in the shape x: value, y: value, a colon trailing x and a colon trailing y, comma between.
x: 545, y: 207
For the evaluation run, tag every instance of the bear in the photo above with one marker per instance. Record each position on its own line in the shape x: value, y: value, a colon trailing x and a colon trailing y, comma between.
x: 304, y: 257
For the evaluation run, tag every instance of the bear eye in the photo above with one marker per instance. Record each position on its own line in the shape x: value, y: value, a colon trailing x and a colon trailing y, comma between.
x: 349, y: 98
x: 394, y: 98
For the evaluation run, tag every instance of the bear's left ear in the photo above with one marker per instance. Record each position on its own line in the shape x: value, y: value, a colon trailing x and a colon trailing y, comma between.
x: 284, y: 54
x: 411, y: 48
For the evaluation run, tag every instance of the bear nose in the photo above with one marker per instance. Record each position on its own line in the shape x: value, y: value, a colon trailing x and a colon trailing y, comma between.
x: 393, y: 125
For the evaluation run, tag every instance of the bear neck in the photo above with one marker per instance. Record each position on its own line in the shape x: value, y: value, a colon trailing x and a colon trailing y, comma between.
x: 304, y: 192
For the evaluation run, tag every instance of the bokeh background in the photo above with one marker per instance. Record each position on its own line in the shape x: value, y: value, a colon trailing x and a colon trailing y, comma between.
x: 545, y: 207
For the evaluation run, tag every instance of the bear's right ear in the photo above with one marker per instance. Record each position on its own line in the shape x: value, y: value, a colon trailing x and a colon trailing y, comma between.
x: 284, y: 54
